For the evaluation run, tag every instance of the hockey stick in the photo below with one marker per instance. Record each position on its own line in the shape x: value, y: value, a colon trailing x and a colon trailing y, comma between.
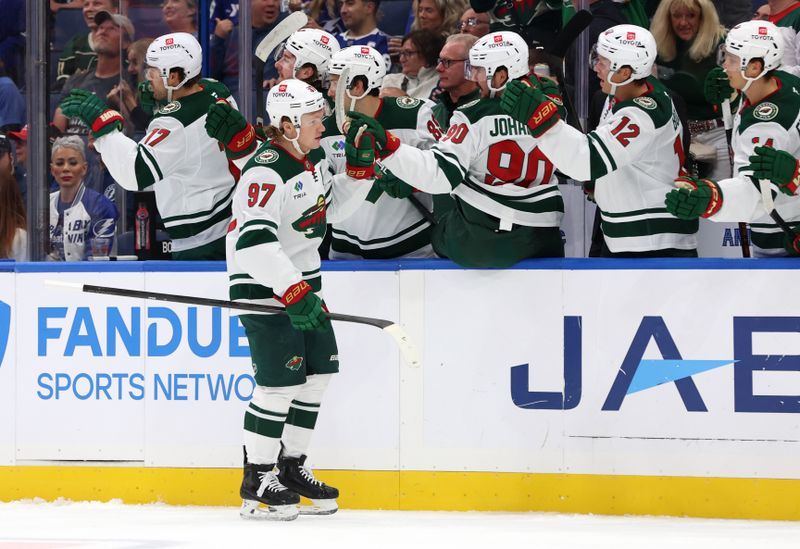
x: 769, y: 205
x: 343, y: 123
x: 407, y: 349
x: 727, y: 120
x: 568, y: 35
x: 282, y: 31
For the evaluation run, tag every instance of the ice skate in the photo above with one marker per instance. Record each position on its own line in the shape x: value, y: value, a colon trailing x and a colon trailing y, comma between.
x: 261, y: 485
x: 293, y: 474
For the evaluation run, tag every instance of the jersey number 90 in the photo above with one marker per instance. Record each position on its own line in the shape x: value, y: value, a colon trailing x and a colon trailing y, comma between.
x: 507, y: 163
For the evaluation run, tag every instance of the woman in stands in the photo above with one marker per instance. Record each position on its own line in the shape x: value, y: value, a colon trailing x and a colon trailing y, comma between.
x: 13, y: 237
x: 180, y: 15
x: 418, y: 57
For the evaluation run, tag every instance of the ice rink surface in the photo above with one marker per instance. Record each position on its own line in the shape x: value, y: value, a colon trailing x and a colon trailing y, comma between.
x: 39, y: 525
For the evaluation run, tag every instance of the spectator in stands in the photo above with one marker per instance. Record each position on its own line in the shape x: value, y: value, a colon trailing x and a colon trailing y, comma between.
x: 688, y: 34
x: 6, y: 155
x: 360, y: 20
x: 79, y: 53
x: 112, y: 35
x: 418, y: 57
x: 136, y: 106
x: 439, y: 16
x: 78, y: 215
x: 224, y: 55
x: 12, y: 39
x: 58, y: 5
x: 20, y: 140
x: 12, y: 103
x: 762, y: 13
x: 476, y: 24
x: 13, y: 236
x: 180, y: 15
x: 224, y: 16
x: 326, y: 14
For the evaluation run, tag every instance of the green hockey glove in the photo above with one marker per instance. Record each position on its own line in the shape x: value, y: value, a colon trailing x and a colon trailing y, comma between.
x: 147, y: 99
x: 694, y: 198
x: 92, y: 111
x: 304, y: 307
x: 717, y: 88
x: 528, y: 105
x: 359, y: 154
x: 792, y: 245
x: 385, y: 142
x: 392, y: 185
x: 229, y: 127
x: 780, y: 167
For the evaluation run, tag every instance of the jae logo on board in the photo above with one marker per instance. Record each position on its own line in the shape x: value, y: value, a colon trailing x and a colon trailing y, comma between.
x: 638, y: 374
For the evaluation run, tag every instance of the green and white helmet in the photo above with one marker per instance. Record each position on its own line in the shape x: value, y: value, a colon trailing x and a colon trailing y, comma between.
x: 177, y: 50
x: 500, y: 49
x: 312, y: 46
x: 755, y: 40
x: 362, y: 61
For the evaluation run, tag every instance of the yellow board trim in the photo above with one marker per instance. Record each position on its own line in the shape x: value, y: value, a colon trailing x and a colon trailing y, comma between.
x: 740, y: 498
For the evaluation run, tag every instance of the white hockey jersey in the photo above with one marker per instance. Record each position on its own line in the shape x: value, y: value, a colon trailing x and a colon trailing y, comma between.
x: 773, y: 122
x: 489, y: 161
x: 188, y: 170
x: 384, y: 227
x: 280, y: 212
x: 633, y: 157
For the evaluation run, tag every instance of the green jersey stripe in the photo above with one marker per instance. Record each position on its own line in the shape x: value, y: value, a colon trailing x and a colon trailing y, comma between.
x: 393, y: 251
x: 186, y: 230
x: 259, y: 223
x: 255, y: 238
x: 648, y: 227
x: 225, y: 200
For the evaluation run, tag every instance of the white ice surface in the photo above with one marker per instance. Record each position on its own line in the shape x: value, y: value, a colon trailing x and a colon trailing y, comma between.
x: 30, y: 524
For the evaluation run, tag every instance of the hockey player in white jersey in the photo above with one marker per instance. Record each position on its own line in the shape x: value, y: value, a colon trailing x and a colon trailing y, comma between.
x: 769, y: 117
x: 508, y: 205
x: 280, y: 208
x: 189, y: 173
x: 384, y: 226
x: 634, y: 154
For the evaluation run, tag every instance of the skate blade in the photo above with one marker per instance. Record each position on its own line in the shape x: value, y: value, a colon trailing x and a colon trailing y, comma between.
x: 252, y: 510
x: 320, y: 507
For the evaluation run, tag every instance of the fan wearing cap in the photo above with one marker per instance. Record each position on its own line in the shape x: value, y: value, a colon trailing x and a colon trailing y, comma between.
x: 508, y: 205
x: 188, y: 171
x: 632, y: 156
x: 281, y: 206
x: 765, y: 143
x: 112, y: 35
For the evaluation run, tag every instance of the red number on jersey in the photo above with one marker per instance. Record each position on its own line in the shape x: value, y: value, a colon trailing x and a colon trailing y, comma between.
x: 434, y: 128
x: 625, y: 137
x: 254, y: 191
x: 770, y: 142
x: 678, y: 148
x: 506, y: 161
x: 456, y: 133
x: 156, y: 136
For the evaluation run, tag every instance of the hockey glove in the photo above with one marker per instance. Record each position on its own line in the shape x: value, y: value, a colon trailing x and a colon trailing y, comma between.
x: 92, y: 111
x: 147, y: 99
x: 717, y: 88
x: 227, y: 125
x: 385, y: 142
x: 792, y: 245
x: 780, y: 167
x: 304, y: 307
x: 694, y: 198
x: 360, y: 154
x: 528, y: 105
x: 394, y: 186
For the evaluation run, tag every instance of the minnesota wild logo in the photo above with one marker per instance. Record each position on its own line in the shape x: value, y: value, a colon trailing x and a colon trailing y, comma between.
x: 312, y: 221
x: 766, y: 111
x: 169, y: 108
x: 407, y: 102
x: 294, y: 363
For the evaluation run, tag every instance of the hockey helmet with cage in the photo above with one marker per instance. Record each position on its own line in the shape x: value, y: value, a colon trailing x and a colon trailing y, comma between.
x: 627, y: 45
x: 292, y: 99
x: 312, y: 46
x: 362, y: 61
x: 177, y: 50
x: 500, y: 49
x: 755, y: 40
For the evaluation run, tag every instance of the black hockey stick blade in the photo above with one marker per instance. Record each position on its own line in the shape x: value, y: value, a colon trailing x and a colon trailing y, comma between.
x: 569, y: 33
x: 407, y: 348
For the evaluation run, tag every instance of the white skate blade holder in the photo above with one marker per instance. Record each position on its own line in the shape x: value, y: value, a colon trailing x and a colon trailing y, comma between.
x: 254, y: 510
x: 319, y: 507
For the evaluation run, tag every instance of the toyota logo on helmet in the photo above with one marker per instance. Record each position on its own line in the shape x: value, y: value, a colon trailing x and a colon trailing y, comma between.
x: 169, y: 41
x: 282, y: 88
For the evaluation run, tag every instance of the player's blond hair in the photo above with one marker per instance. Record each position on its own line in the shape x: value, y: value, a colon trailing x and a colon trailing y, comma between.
x: 709, y: 34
